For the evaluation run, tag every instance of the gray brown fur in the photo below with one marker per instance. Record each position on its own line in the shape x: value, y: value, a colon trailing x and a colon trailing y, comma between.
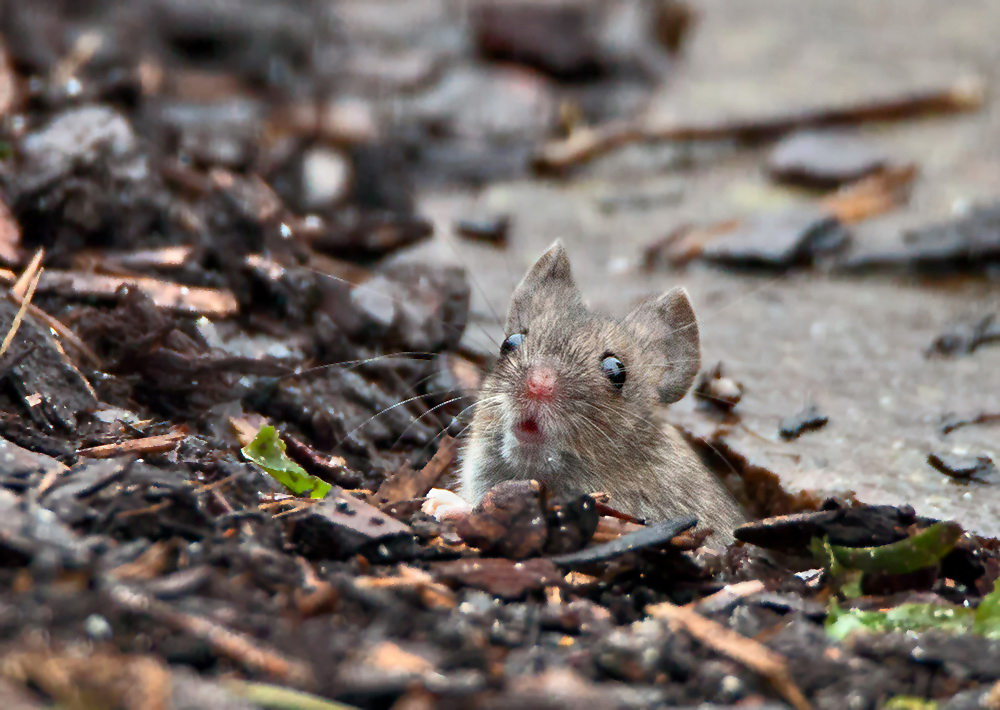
x: 599, y: 438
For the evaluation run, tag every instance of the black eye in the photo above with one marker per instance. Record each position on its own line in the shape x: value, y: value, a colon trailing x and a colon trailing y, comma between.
x: 614, y: 370
x: 512, y: 342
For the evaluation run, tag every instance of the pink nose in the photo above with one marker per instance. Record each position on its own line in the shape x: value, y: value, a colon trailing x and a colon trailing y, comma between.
x: 540, y: 383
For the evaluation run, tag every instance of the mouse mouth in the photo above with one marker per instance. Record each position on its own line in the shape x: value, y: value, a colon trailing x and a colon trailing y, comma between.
x: 529, y: 431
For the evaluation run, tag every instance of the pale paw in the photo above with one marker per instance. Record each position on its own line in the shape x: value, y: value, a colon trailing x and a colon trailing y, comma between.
x: 445, y: 505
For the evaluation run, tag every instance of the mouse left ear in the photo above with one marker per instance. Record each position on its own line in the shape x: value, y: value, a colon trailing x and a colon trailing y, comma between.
x: 548, y: 285
x: 669, y: 323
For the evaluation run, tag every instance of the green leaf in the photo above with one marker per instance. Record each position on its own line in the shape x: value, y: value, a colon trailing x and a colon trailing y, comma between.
x: 267, y: 450
x: 909, y: 702
x: 925, y: 549
x: 275, y: 697
x: 848, y: 581
x: 983, y: 620
x: 987, y: 619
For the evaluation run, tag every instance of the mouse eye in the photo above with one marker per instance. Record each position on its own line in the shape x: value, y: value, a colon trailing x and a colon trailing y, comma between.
x: 511, y: 343
x: 614, y: 370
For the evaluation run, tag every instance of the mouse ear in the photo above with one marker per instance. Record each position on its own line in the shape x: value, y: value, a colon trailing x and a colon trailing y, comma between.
x: 547, y: 285
x: 669, y: 323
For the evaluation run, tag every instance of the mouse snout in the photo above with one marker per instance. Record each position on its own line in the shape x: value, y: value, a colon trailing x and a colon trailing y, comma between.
x: 540, y: 383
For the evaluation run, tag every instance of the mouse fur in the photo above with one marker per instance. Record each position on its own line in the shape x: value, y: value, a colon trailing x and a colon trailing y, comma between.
x: 593, y: 436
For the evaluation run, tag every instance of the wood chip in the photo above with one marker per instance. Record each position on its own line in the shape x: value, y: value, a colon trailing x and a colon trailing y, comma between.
x: 148, y: 445
x: 871, y: 196
x: 196, y: 300
x: 741, y: 649
x: 432, y: 593
x: 407, y: 484
x: 173, y: 257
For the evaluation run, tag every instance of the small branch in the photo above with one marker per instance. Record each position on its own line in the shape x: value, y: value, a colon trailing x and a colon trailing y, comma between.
x: 149, y: 445
x: 745, y: 651
x: 238, y: 647
x: 25, y: 302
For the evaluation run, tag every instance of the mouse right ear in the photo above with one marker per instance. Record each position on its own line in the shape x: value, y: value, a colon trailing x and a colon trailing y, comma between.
x: 669, y: 323
x: 548, y: 285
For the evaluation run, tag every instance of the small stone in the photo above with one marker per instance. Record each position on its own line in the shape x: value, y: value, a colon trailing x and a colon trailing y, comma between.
x: 326, y: 177
x: 824, y: 159
x: 808, y: 419
x: 964, y: 467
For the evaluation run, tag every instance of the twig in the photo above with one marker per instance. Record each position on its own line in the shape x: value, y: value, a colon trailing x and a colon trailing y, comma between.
x: 741, y: 649
x: 147, y: 445
x: 154, y: 508
x: 25, y: 302
x: 20, y: 286
x: 586, y: 144
x: 729, y: 594
x: 216, y: 484
x: 236, y: 646
x: 951, y: 424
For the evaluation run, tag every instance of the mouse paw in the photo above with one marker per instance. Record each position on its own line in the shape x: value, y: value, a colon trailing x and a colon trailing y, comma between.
x: 445, y: 505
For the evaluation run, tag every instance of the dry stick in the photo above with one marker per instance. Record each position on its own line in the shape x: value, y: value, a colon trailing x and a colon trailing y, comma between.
x: 236, y: 646
x: 16, y: 323
x: 20, y: 286
x: 747, y: 652
x: 147, y: 445
x: 730, y: 593
x: 588, y: 143
x: 17, y: 292
x: 216, y: 484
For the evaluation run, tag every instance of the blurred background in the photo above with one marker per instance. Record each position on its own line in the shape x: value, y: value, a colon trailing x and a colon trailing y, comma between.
x: 823, y: 177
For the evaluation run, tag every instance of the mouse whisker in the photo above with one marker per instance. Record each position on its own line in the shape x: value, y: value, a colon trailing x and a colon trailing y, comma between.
x: 585, y: 422
x: 486, y: 401
x: 628, y: 412
x: 384, y: 411
x: 432, y: 409
x: 475, y: 282
x: 354, y: 364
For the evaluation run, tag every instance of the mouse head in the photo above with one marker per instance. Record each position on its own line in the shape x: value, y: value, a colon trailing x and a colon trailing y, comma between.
x: 568, y: 378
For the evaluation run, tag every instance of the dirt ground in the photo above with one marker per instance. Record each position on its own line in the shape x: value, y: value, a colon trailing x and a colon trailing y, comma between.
x: 256, y: 256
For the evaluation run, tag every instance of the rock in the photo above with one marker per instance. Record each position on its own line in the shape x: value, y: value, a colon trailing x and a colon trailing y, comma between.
x: 81, y: 176
x: 968, y: 242
x: 793, y: 237
x: 823, y: 159
x: 806, y: 420
x: 560, y: 37
x: 326, y: 177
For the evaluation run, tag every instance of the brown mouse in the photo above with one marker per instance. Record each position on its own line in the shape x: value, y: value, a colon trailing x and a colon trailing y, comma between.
x: 572, y: 402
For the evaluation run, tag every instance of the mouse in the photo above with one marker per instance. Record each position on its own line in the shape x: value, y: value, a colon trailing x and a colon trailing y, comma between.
x: 574, y: 401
